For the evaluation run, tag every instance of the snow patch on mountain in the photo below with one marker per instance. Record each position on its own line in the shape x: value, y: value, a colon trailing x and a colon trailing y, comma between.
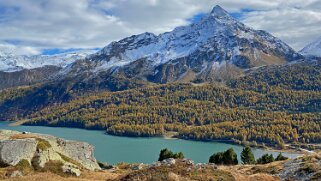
x: 313, y: 49
x: 10, y: 62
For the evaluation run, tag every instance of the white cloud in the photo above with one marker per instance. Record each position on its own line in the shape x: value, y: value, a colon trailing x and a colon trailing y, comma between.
x: 94, y: 23
x: 18, y: 50
x: 297, y: 26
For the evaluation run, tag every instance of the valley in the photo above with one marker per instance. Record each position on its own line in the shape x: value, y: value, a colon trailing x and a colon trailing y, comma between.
x: 212, y: 84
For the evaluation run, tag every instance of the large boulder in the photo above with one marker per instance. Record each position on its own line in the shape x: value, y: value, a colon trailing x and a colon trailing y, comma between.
x: 80, y: 151
x: 39, y: 149
x: 13, y: 151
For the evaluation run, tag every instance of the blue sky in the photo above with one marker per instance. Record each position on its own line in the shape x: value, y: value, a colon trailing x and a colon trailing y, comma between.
x: 57, y: 26
x: 54, y: 51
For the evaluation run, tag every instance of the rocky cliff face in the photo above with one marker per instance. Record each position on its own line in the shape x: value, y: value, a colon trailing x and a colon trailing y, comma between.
x: 27, y: 76
x: 40, y: 150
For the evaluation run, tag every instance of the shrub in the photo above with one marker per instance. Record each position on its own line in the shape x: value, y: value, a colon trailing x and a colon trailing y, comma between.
x: 43, y: 144
x: 247, y: 156
x: 280, y: 157
x: 165, y: 153
x: 228, y: 157
x: 54, y: 167
x: 266, y: 158
x: 24, y: 166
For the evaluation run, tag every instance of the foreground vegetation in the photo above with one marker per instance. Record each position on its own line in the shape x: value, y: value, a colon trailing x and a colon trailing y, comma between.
x: 303, y: 168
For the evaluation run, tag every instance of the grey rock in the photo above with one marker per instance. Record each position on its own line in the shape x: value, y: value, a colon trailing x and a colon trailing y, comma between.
x: 155, y: 164
x: 292, y: 169
x: 169, y: 161
x: 71, y: 169
x: 82, y: 152
x: 16, y: 173
x: 13, y: 151
x: 188, y: 161
x: 138, y: 167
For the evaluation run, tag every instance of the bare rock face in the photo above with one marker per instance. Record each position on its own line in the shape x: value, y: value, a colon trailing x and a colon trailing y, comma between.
x: 302, y: 168
x: 26, y: 77
x: 13, y: 151
x: 82, y: 152
x: 40, y: 149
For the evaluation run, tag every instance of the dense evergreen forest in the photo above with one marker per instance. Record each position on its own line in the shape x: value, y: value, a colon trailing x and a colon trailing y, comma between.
x: 274, y: 106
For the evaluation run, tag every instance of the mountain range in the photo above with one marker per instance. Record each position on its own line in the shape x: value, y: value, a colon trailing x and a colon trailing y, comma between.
x: 214, y: 49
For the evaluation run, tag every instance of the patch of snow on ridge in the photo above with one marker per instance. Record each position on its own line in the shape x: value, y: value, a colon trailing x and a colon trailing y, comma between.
x: 313, y: 49
x: 9, y: 62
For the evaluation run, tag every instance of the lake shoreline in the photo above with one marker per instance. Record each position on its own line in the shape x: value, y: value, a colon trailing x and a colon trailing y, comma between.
x: 170, y: 135
x: 114, y: 149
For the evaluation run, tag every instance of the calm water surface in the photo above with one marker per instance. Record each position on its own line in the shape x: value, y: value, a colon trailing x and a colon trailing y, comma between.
x: 114, y: 149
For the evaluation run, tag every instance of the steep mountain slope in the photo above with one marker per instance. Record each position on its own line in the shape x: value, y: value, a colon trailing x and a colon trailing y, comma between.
x: 313, y: 49
x: 216, y: 48
x: 27, y: 76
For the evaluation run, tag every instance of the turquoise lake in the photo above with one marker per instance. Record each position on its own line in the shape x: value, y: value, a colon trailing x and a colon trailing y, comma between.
x: 114, y: 149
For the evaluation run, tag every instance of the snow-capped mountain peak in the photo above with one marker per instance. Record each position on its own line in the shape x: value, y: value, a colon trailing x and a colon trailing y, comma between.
x: 313, y: 49
x: 217, y: 31
x: 214, y: 48
x: 218, y: 11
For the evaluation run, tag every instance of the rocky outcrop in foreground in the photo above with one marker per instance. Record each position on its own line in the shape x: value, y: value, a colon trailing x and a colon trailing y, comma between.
x: 45, y: 152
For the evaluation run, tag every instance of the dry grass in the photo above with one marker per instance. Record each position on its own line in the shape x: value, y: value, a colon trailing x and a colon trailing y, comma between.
x: 254, y: 172
x: 23, y: 136
x: 179, y: 171
x: 70, y: 160
x: 272, y: 60
x: 85, y: 176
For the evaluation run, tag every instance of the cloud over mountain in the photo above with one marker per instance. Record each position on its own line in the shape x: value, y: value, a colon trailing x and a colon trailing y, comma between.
x: 66, y: 24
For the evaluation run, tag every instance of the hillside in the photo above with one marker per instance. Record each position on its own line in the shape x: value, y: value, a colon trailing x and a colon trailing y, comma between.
x: 287, y: 103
